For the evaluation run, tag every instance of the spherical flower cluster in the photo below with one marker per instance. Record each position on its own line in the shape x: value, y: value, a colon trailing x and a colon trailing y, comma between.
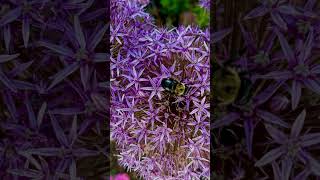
x: 159, y: 135
x: 205, y: 4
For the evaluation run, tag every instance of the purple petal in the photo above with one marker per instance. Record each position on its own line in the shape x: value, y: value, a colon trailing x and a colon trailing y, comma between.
x: 73, y: 130
x: 73, y: 170
x: 271, y: 118
x: 7, y: 36
x: 31, y: 115
x: 310, y: 139
x: 278, y: 75
x: 61, y: 137
x: 276, y: 171
x: 6, y: 58
x: 298, y: 125
x: 287, y: 9
x: 277, y: 19
x: 97, y: 37
x: 267, y: 93
x: 248, y: 126
x: 226, y: 120
x: 9, y: 102
x: 33, y: 174
x: 58, y: 49
x: 41, y: 113
x: 217, y: 36
x: 287, y: 51
x: 79, y: 33
x: 295, y: 94
x: 257, y: 12
x: 7, y: 82
x: 286, y: 165
x: 312, y: 85
x: 25, y: 31
x: 45, y: 151
x: 10, y: 16
x: 270, y: 156
x: 276, y: 135
x: 61, y: 75
x: 306, y: 51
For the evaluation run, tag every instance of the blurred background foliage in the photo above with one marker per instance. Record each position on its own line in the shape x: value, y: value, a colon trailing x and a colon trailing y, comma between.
x: 169, y: 13
x: 172, y: 13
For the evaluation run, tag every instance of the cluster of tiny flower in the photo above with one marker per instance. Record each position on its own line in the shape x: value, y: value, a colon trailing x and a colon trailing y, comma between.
x: 159, y: 135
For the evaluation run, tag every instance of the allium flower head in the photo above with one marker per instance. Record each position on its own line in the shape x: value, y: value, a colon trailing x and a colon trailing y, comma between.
x: 159, y: 135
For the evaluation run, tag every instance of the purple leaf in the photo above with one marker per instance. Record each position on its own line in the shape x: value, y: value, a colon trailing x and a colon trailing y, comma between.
x: 61, y: 75
x: 61, y: 137
x: 6, y: 58
x: 270, y: 156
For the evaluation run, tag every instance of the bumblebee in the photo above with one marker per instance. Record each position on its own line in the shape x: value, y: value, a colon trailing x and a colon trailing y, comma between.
x: 231, y: 86
x: 173, y: 86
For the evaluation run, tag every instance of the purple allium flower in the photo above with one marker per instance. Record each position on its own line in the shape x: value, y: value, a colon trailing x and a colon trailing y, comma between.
x: 158, y: 135
x: 205, y: 4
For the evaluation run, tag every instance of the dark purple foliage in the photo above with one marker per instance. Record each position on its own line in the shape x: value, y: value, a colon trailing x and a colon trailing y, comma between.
x: 53, y: 84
